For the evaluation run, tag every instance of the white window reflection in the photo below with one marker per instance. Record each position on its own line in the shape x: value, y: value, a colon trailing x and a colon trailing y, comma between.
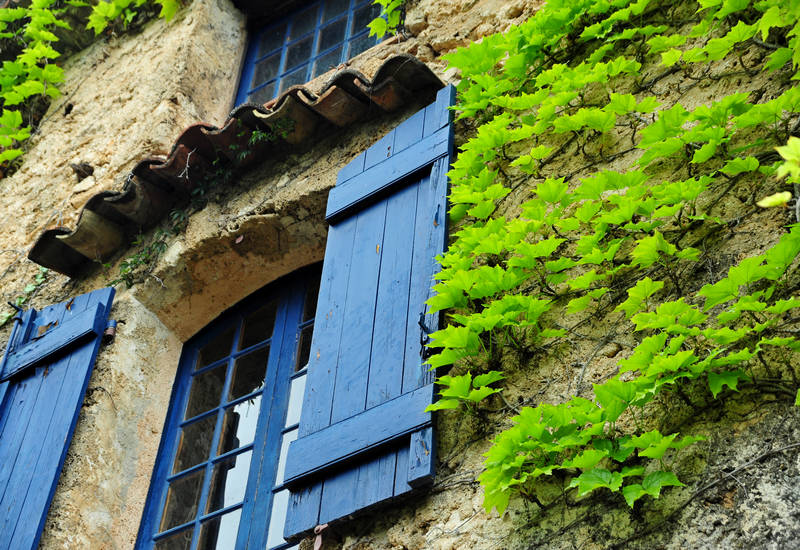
x: 280, y: 502
x: 295, y: 401
x: 288, y: 437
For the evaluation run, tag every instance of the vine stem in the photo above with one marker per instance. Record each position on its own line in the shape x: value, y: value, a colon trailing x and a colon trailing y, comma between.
x: 706, y: 487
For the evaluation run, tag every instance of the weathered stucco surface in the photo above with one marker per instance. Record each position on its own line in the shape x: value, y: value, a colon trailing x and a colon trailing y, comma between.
x: 132, y: 95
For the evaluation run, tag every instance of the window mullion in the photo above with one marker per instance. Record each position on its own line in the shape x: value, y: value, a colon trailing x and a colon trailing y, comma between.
x: 220, y: 412
x: 351, y: 13
x: 249, y: 508
x: 280, y: 397
x: 315, y: 41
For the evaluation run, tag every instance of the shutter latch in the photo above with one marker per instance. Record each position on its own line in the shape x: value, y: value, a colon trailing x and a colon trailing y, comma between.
x: 424, y: 337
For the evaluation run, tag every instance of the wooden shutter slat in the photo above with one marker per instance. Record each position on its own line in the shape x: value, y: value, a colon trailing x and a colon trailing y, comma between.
x: 39, y: 413
x: 352, y: 364
x: 352, y: 168
x: 359, y: 488
x: 392, y: 310
x: 19, y: 404
x: 429, y: 240
x: 327, y: 329
x: 437, y: 114
x: 421, y: 458
x: 410, y: 132
x: 359, y: 434
x: 380, y: 151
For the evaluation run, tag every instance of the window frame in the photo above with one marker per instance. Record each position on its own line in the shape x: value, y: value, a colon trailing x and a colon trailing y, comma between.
x: 291, y: 318
x: 246, y: 89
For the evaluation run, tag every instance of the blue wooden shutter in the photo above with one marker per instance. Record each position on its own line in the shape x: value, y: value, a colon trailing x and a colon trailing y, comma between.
x: 43, y: 378
x: 364, y: 436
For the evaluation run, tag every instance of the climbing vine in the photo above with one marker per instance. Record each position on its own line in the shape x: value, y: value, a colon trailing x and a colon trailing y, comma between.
x: 390, y: 19
x: 577, y: 81
x: 39, y: 279
x: 29, y: 74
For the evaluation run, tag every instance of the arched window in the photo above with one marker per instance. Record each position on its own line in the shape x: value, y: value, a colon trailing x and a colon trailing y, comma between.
x: 234, y: 410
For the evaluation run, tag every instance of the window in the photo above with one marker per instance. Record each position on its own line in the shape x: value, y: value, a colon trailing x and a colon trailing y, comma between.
x: 235, y: 409
x: 304, y: 45
x: 239, y: 465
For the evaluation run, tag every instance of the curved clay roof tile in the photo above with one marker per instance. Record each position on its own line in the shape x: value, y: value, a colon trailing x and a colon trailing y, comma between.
x: 110, y: 219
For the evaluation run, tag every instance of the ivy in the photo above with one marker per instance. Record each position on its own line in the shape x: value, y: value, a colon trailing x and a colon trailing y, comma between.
x: 392, y: 12
x: 575, y: 81
x: 22, y: 298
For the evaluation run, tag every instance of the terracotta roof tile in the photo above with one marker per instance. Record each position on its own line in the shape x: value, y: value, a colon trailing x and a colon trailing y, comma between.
x: 110, y: 219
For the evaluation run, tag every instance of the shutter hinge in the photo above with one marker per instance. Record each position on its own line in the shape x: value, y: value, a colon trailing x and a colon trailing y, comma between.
x: 110, y: 332
x: 18, y: 317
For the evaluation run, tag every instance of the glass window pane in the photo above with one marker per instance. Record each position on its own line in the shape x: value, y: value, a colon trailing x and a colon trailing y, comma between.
x: 298, y: 53
x: 303, y: 22
x: 220, y: 533
x: 239, y: 425
x: 271, y: 39
x: 288, y: 437
x: 327, y: 62
x: 206, y: 391
x: 215, y: 350
x: 258, y: 325
x: 304, y: 347
x: 266, y: 70
x: 360, y: 44
x: 183, y: 498
x: 262, y: 95
x: 277, y: 518
x: 310, y: 301
x: 228, y: 481
x: 194, y: 443
x: 333, y: 8
x: 296, y: 392
x: 363, y: 16
x: 248, y: 373
x: 182, y: 540
x: 332, y: 34
x: 297, y: 77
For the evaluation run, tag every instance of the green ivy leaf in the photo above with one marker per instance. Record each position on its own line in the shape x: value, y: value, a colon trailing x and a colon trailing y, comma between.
x: 730, y: 378
x: 632, y: 493
x: 655, y: 481
x: 670, y: 57
x: 443, y: 404
x: 487, y: 378
x: 736, y: 166
x: 169, y: 8
x: 596, y: 478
